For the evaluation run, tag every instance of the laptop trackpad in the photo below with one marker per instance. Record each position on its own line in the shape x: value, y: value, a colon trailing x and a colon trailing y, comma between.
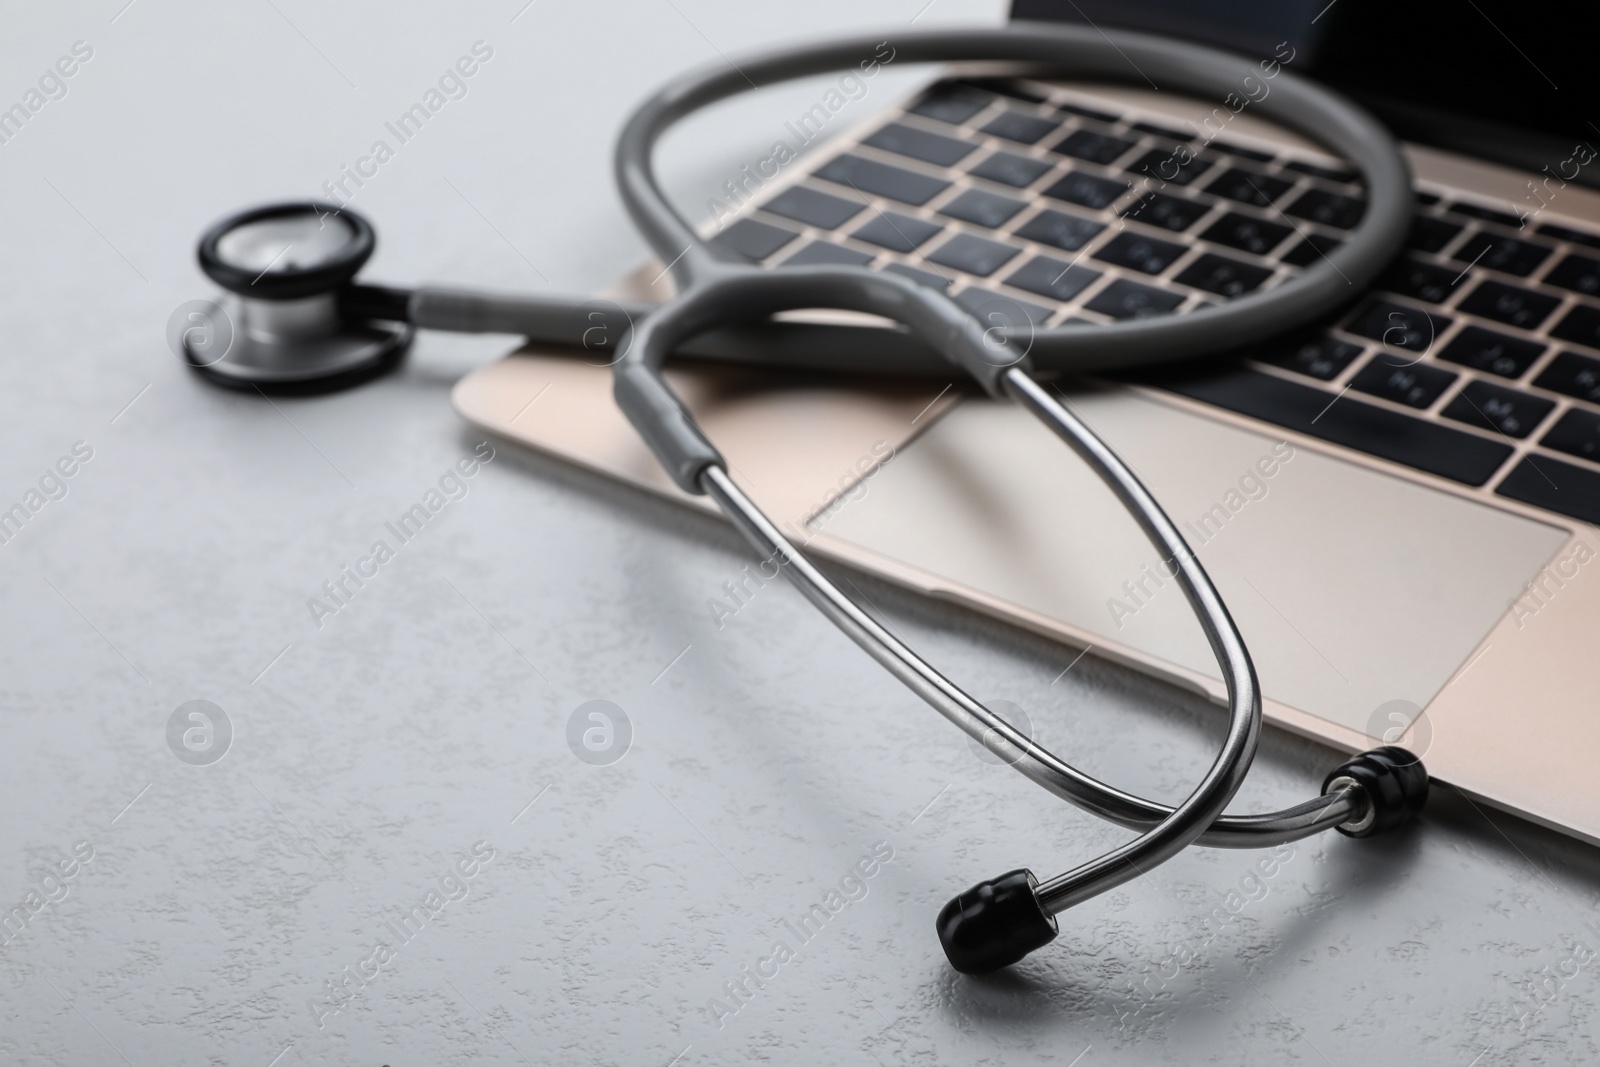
x: 1352, y: 588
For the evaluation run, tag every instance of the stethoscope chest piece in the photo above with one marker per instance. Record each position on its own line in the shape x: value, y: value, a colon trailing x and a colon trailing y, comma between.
x: 284, y: 266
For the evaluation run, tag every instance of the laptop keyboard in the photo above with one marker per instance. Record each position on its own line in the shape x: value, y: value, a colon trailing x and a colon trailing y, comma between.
x: 1475, y: 358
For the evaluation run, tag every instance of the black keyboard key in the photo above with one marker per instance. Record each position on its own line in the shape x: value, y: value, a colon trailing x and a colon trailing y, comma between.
x: 1087, y: 112
x: 1059, y: 229
x: 920, y: 144
x: 1330, y: 209
x: 1496, y: 353
x: 1581, y: 325
x: 1124, y: 299
x: 1322, y: 357
x: 1576, y: 433
x: 1006, y: 87
x: 1169, y: 167
x: 1420, y: 281
x: 1567, y: 233
x: 997, y: 309
x: 1099, y: 148
x: 1086, y: 189
x: 921, y: 277
x: 1392, y: 435
x: 1008, y: 168
x: 1327, y: 174
x: 1522, y: 308
x: 1429, y: 234
x: 880, y: 179
x: 982, y: 208
x: 755, y: 239
x: 1549, y: 483
x: 813, y: 208
x: 1223, y: 276
x: 1399, y: 325
x: 952, y: 102
x: 1313, y: 249
x: 1473, y: 211
x: 1494, y: 407
x: 1024, y: 129
x: 1135, y: 251
x: 896, y: 232
x: 1415, y: 385
x: 823, y: 254
x: 1506, y: 254
x: 1246, y: 234
x: 1581, y: 274
x: 1243, y: 153
x: 1248, y: 187
x: 1175, y: 213
x: 974, y: 255
x: 1162, y: 131
x: 1052, y: 277
x: 1573, y: 375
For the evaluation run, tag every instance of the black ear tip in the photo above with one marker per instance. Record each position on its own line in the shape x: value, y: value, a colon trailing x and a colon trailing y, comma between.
x: 1395, y: 784
x: 994, y: 924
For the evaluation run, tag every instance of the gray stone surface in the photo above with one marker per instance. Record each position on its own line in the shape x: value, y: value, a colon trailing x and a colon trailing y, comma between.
x: 373, y: 753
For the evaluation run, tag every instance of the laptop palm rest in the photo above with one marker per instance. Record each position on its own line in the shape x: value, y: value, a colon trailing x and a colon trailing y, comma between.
x: 1353, y: 588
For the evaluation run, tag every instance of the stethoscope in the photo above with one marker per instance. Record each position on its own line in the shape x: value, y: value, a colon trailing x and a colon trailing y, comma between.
x: 306, y: 326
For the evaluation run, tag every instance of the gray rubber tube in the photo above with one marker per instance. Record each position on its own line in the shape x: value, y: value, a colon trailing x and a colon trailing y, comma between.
x: 716, y: 290
x: 1114, y: 56
x: 599, y: 326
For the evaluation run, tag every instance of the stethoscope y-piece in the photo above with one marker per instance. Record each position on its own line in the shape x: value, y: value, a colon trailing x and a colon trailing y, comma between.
x: 725, y: 304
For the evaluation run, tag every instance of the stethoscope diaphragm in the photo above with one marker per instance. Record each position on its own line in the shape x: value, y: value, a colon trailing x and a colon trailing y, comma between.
x: 281, y: 328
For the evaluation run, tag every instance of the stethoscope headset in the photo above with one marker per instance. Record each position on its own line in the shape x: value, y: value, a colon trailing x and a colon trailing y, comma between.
x: 307, y: 326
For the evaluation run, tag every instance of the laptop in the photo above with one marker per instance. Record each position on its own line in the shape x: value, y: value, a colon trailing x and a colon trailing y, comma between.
x: 1396, y: 502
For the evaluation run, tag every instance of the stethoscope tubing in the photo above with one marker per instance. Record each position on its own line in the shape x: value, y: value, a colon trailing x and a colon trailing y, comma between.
x: 716, y: 289
x: 1079, y: 51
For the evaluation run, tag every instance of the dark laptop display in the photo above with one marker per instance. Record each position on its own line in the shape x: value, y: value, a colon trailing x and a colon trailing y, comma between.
x: 1509, y: 81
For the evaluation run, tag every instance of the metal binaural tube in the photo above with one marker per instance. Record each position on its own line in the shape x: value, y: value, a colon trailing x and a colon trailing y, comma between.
x: 1033, y: 760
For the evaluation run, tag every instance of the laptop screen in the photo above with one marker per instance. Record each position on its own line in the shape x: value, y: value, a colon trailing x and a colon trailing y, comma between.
x: 1504, y: 79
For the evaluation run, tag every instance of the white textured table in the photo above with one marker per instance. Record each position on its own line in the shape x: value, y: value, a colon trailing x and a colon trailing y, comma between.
x: 400, y: 860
